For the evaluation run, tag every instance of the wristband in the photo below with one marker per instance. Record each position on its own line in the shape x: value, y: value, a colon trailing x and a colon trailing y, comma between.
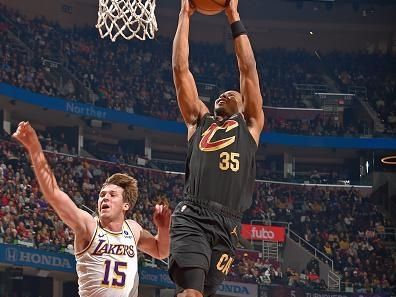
x: 237, y: 29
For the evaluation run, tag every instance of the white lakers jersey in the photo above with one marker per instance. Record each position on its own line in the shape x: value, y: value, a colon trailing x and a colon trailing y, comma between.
x: 107, y: 267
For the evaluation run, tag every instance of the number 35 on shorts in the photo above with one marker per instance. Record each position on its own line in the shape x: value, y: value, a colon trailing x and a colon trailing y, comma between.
x: 224, y: 263
x: 229, y: 161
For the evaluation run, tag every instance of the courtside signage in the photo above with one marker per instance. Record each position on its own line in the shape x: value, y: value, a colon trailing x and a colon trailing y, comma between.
x: 155, y: 277
x: 266, y: 233
x: 24, y: 256
x: 237, y: 289
x: 90, y: 111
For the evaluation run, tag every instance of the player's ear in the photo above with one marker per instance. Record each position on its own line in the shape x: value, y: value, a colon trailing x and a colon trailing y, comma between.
x: 126, y: 206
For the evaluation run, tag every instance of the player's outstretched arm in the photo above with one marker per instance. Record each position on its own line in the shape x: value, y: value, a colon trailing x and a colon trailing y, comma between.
x: 80, y: 221
x: 157, y: 246
x: 249, y: 80
x: 191, y: 107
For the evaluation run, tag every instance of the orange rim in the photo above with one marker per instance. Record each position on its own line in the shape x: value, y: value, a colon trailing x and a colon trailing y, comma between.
x: 390, y: 160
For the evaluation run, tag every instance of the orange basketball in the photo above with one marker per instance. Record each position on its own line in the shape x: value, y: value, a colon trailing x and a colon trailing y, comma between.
x: 210, y: 7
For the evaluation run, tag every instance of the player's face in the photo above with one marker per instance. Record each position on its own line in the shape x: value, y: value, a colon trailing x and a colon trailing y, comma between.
x: 110, y: 203
x: 229, y: 103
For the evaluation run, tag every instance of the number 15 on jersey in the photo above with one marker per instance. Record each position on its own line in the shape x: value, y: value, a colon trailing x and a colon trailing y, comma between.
x: 117, y: 277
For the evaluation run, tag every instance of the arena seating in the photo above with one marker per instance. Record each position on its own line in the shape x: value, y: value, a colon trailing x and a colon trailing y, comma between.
x: 137, y: 78
x: 340, y: 222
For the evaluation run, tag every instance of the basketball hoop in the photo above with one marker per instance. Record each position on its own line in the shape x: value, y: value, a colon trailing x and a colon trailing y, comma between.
x: 390, y: 160
x: 127, y: 18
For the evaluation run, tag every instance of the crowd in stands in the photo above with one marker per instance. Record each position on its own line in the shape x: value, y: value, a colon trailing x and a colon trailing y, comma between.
x: 251, y: 268
x: 57, y: 142
x: 340, y: 222
x: 267, y: 169
x: 376, y: 73
x: 315, y: 127
x: 308, y: 278
x: 137, y: 77
x: 272, y: 169
x: 25, y: 216
x: 17, y: 70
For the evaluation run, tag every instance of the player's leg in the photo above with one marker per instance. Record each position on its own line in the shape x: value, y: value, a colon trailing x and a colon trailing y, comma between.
x: 221, y: 262
x: 189, y: 281
x: 190, y: 252
x: 223, y: 253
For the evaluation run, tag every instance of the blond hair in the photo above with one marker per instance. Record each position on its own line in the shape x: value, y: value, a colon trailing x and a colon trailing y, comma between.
x: 128, y: 183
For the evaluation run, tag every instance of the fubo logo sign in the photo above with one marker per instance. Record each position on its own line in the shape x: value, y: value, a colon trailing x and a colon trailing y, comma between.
x: 261, y: 232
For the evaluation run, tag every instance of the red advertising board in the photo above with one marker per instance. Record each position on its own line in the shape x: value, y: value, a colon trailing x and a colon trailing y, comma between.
x: 260, y: 232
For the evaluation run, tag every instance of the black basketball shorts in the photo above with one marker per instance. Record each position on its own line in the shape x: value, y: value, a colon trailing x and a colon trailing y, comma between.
x: 203, y: 236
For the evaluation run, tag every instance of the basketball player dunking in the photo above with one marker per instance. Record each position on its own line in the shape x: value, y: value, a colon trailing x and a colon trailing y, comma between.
x: 105, y: 247
x: 220, y: 169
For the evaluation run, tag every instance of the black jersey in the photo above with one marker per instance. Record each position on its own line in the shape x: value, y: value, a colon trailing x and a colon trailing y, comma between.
x: 221, y: 164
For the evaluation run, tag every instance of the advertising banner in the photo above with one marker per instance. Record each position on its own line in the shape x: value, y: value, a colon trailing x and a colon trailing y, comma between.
x: 261, y: 232
x: 25, y: 256
x: 237, y: 289
x: 155, y: 277
x: 95, y: 112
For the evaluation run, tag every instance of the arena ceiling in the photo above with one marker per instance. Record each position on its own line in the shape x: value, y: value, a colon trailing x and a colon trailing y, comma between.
x: 355, y: 11
x: 263, y: 5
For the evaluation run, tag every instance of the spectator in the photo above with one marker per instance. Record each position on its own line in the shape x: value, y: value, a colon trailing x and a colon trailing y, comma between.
x: 105, y: 78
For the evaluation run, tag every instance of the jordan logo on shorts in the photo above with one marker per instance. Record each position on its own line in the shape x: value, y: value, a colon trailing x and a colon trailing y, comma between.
x: 234, y: 231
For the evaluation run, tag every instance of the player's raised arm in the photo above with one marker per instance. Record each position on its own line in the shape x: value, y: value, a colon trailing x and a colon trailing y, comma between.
x: 191, y: 107
x: 249, y: 80
x: 80, y: 221
x: 156, y: 246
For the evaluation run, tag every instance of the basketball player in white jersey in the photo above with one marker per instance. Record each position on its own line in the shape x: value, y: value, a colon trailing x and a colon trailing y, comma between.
x: 106, y: 246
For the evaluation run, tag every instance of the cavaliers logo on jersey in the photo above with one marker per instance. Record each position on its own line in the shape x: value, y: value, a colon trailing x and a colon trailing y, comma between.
x: 207, y: 145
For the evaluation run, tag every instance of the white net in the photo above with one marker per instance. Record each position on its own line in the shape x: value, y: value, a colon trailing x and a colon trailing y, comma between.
x: 127, y: 18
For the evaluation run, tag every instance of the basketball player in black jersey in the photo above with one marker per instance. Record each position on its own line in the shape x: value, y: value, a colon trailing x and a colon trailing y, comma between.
x: 220, y: 169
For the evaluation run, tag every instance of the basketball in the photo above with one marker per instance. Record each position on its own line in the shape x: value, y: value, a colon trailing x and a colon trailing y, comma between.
x: 210, y: 7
